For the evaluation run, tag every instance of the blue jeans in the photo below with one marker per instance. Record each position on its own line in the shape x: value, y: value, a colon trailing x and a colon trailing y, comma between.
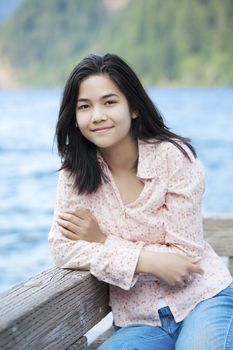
x: 209, y: 326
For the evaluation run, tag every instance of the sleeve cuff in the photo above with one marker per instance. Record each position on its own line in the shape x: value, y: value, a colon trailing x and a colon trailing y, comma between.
x: 117, y: 262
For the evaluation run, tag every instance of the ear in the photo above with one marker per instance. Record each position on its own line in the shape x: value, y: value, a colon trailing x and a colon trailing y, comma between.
x: 134, y: 115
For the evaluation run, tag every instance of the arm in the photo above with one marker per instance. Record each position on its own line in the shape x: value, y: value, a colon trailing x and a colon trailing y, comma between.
x: 182, y: 222
x: 117, y: 260
x: 113, y: 262
x: 182, y: 215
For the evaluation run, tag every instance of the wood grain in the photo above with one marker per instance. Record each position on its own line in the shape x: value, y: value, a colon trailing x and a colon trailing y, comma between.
x: 53, y: 315
x: 218, y: 231
x: 55, y: 309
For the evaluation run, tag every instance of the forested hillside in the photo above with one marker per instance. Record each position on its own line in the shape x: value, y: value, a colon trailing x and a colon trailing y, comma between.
x: 7, y: 8
x: 172, y: 42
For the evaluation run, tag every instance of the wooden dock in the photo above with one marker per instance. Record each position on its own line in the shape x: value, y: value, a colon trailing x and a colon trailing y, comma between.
x: 56, y: 308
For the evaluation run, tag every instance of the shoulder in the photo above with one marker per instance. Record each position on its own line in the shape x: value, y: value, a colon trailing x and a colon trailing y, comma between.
x: 66, y: 179
x: 177, y: 160
x: 156, y: 152
x: 181, y: 167
x: 169, y: 149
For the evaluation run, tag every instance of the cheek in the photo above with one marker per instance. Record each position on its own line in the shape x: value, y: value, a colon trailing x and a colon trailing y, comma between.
x: 126, y: 121
x: 82, y: 122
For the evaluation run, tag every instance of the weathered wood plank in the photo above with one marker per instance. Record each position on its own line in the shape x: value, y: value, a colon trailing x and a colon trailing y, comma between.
x: 107, y: 334
x: 54, y: 309
x: 230, y: 265
x: 51, y: 310
x: 218, y: 231
x: 80, y: 344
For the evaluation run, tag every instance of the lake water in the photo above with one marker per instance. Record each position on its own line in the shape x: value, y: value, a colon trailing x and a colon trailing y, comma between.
x: 28, y: 165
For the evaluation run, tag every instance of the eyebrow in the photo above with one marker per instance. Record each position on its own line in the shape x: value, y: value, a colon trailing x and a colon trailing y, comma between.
x: 102, y: 98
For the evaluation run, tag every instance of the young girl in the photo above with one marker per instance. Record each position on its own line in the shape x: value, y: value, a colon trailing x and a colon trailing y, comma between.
x: 128, y: 210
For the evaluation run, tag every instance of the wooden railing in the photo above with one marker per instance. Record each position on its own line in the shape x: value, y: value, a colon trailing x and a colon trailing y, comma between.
x: 54, y: 309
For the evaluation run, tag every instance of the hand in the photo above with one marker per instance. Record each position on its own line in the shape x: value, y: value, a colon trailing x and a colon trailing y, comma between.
x: 80, y: 224
x: 172, y: 269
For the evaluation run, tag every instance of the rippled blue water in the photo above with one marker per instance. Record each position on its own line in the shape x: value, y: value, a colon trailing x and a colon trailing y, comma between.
x: 28, y: 165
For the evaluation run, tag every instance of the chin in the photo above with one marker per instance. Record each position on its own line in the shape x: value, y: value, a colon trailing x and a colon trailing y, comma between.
x: 104, y: 144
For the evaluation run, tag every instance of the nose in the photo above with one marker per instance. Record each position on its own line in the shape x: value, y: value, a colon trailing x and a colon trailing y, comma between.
x: 98, y: 115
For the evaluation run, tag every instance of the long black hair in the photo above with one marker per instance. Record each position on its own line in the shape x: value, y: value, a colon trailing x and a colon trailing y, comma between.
x: 79, y: 155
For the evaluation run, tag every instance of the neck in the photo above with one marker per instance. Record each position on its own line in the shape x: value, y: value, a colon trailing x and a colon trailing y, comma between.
x: 122, y: 157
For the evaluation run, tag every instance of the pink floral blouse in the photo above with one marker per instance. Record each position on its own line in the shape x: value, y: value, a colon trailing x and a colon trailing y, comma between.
x: 166, y: 217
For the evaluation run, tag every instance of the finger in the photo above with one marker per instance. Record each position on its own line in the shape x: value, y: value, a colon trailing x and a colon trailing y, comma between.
x: 196, y: 269
x: 187, y: 279
x: 196, y: 259
x: 180, y: 284
x: 70, y: 217
x: 68, y: 234
x: 68, y: 225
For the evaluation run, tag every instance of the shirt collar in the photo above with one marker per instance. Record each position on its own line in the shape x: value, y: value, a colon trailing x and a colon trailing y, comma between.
x: 147, y: 160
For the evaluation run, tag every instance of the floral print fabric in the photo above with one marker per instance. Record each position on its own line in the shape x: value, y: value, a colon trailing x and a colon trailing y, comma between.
x: 166, y: 217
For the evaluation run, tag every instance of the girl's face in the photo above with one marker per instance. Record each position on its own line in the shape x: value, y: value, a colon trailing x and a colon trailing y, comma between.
x: 102, y: 112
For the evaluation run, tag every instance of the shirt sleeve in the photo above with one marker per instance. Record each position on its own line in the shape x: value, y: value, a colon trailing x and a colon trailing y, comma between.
x: 113, y: 262
x: 182, y: 212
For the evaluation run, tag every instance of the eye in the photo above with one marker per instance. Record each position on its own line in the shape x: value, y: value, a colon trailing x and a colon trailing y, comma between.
x: 83, y: 106
x: 110, y: 102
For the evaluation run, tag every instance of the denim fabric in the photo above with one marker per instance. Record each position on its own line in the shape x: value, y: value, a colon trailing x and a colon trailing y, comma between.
x: 209, y: 326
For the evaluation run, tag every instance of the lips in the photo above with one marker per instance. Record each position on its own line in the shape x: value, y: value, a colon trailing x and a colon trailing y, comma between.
x: 103, y: 129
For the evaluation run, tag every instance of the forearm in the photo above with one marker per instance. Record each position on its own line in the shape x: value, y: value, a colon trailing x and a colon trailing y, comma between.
x: 169, y: 268
x: 151, y: 255
x: 113, y: 261
x: 144, y: 261
x: 150, y: 261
